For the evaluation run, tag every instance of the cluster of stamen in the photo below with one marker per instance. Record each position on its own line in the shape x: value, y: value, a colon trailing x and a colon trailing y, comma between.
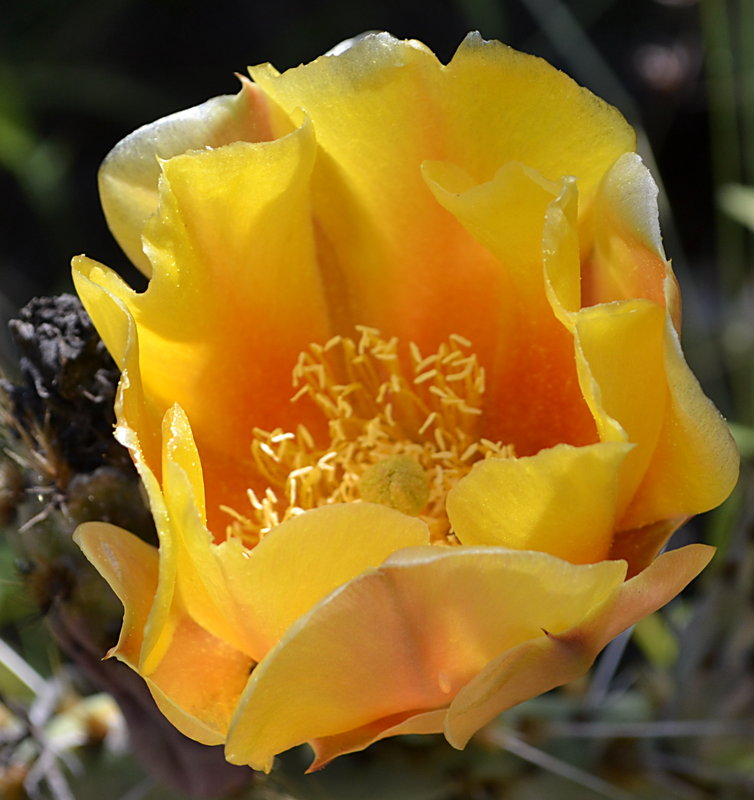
x: 382, y: 406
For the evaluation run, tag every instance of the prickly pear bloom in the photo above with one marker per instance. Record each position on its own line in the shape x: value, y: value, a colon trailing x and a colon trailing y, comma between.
x: 405, y: 391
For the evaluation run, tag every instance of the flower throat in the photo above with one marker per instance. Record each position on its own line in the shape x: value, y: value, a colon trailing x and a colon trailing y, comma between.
x: 403, y: 429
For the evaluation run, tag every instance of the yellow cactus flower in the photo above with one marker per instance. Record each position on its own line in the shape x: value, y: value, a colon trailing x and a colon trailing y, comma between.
x: 406, y: 394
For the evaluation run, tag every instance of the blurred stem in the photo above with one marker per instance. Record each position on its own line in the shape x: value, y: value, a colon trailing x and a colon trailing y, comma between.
x: 563, y: 769
x: 586, y: 11
x: 730, y: 76
x: 746, y: 96
x: 23, y: 671
x: 607, y: 666
x: 725, y: 146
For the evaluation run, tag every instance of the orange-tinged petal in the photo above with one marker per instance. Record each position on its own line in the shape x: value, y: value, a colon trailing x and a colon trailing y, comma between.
x: 159, y: 638
x: 389, y: 240
x: 186, y: 723
x: 317, y: 552
x: 198, y: 678
x: 129, y: 175
x: 628, y: 259
x: 329, y: 747
x: 640, y: 546
x: 539, y: 665
x: 561, y: 501
x: 418, y: 629
x: 533, y: 398
x: 506, y: 214
x: 129, y: 565
x: 198, y: 681
x: 214, y: 301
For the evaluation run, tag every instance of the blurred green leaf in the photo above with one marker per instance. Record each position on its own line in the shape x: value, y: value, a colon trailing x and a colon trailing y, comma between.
x: 738, y: 203
x: 18, y: 679
x: 14, y: 601
x: 656, y: 640
x: 743, y: 434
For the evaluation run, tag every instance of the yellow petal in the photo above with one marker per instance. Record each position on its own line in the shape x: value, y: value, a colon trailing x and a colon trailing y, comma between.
x: 640, y: 389
x: 138, y: 421
x: 695, y: 463
x: 129, y: 565
x: 315, y: 553
x: 399, y: 87
x: 139, y: 428
x: 186, y: 545
x: 214, y: 301
x: 410, y: 269
x: 561, y: 255
x: 620, y: 354
x: 159, y: 638
x: 129, y: 175
x: 541, y: 664
x: 418, y: 629
x: 561, y: 501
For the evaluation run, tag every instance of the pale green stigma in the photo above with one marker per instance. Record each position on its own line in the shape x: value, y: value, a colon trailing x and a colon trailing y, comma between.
x: 397, y: 481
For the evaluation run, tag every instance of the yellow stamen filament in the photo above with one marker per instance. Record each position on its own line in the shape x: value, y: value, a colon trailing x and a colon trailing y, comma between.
x: 403, y: 428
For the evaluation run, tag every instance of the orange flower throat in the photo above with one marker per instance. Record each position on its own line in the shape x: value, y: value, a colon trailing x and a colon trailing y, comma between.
x: 403, y: 429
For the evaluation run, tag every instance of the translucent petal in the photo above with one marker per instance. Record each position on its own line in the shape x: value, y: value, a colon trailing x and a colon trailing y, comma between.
x: 198, y: 681
x: 129, y: 175
x: 541, y: 664
x: 621, y: 360
x: 628, y: 259
x: 329, y: 747
x: 417, y: 629
x: 129, y: 565
x: 695, y: 463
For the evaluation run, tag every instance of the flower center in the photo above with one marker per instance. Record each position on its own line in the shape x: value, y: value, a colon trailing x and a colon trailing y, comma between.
x: 404, y: 429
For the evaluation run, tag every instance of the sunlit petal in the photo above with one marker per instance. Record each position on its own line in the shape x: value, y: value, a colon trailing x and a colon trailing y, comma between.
x: 418, y: 629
